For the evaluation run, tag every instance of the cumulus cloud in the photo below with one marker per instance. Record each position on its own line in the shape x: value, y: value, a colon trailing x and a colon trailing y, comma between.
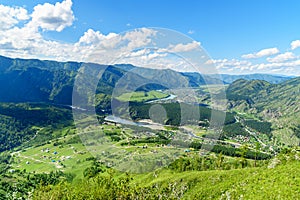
x: 232, y: 64
x: 21, y: 36
x: 53, y: 17
x: 25, y: 40
x: 152, y: 59
x: 282, y: 57
x: 139, y: 37
x: 181, y: 47
x: 11, y: 16
x: 295, y: 44
x: 94, y: 37
x: 184, y: 47
x: 262, y: 53
x: 114, y: 46
x: 267, y: 66
x: 244, y: 66
x: 139, y: 53
x: 286, y: 63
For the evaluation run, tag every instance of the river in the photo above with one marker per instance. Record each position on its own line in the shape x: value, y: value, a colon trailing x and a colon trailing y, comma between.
x: 170, y: 97
x: 147, y: 123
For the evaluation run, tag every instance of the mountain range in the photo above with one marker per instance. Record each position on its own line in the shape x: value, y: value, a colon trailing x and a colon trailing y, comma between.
x: 226, y: 78
x: 32, y: 80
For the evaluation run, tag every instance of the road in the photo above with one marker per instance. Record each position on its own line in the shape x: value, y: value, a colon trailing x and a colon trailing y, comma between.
x: 252, y: 133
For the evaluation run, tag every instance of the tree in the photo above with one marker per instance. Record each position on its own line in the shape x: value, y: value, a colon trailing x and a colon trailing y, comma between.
x: 220, y: 160
x: 257, y: 148
x: 243, y: 151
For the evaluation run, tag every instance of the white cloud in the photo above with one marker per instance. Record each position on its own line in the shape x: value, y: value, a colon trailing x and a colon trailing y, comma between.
x: 295, y: 44
x: 231, y: 64
x: 158, y: 61
x: 156, y: 55
x: 139, y: 37
x: 290, y: 67
x: 114, y: 47
x: 24, y: 40
x: 266, y: 66
x: 191, y: 32
x: 185, y: 47
x: 10, y: 16
x: 21, y: 36
x: 262, y: 53
x: 181, y: 47
x: 138, y: 53
x: 53, y: 17
x: 282, y: 57
x: 92, y: 37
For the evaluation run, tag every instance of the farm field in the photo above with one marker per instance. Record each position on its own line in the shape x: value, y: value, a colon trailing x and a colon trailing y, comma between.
x: 142, y: 96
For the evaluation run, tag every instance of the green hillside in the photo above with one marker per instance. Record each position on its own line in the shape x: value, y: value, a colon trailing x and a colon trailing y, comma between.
x: 32, y: 80
x: 31, y: 123
x: 276, y: 103
x: 177, y: 147
x: 273, y: 181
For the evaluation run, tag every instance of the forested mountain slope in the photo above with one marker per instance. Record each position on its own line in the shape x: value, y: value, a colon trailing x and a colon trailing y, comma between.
x: 277, y: 103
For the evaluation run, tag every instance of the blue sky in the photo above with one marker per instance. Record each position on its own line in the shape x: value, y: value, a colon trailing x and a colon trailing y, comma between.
x: 248, y: 36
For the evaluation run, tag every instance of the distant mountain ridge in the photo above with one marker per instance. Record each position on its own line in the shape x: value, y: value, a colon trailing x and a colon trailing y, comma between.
x: 227, y: 78
x: 196, y: 79
x: 33, y: 80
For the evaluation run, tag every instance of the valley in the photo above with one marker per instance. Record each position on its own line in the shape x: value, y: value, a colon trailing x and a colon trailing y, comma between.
x: 163, y: 130
x: 149, y: 100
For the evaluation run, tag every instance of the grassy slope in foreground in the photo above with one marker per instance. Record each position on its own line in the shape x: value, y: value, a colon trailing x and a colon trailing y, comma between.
x: 254, y: 183
x: 281, y: 182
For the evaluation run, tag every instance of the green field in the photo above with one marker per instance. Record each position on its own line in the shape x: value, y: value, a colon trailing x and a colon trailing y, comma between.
x: 168, y: 163
x: 142, y: 96
x: 69, y: 158
x: 268, y: 182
